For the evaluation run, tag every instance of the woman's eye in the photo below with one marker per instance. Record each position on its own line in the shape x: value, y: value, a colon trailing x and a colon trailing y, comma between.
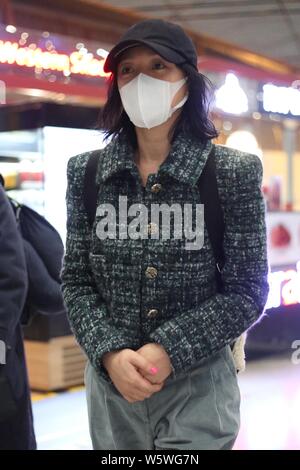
x: 125, y: 69
x: 158, y: 66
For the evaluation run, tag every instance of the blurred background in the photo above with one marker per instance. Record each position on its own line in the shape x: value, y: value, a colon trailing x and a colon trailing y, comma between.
x: 52, y: 86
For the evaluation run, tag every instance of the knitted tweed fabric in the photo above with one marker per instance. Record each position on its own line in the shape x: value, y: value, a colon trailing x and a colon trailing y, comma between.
x: 114, y: 304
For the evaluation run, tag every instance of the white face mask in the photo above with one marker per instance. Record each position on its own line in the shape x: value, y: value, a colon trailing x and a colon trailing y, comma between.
x: 147, y: 100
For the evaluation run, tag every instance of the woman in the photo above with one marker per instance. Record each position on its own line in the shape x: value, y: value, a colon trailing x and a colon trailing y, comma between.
x: 144, y: 308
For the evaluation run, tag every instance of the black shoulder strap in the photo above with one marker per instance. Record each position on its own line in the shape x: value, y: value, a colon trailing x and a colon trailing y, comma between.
x: 213, y: 213
x: 90, y: 189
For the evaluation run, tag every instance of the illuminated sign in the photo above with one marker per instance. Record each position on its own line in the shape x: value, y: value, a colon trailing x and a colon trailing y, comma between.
x: 230, y: 97
x: 283, y: 232
x: 76, y: 63
x: 284, y: 287
x: 280, y: 99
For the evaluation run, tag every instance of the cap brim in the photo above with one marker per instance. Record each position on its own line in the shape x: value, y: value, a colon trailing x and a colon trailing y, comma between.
x: 165, y: 52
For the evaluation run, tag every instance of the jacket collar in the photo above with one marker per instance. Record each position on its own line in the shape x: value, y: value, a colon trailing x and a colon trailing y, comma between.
x: 185, y: 161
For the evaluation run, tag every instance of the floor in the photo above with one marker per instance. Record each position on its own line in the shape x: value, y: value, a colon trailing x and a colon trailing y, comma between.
x: 270, y: 411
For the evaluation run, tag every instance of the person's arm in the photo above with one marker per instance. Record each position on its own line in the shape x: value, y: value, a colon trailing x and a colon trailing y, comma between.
x: 13, y: 275
x: 200, y: 332
x: 87, y: 312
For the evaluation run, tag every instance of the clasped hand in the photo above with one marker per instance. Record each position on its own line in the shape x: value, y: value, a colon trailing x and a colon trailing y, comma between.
x: 138, y: 374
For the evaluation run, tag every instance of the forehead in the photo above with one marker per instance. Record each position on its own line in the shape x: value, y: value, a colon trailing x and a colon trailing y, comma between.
x: 137, y: 52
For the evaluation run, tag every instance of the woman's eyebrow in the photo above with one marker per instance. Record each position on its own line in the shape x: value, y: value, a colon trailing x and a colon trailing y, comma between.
x: 125, y: 61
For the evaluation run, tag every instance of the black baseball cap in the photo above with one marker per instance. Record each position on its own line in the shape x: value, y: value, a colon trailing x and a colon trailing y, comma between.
x: 167, y: 39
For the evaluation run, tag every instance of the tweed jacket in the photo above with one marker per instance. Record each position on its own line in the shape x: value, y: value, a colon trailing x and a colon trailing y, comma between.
x: 126, y: 292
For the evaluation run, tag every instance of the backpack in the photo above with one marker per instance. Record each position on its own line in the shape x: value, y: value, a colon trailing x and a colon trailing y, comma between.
x: 44, y: 250
x: 213, y: 217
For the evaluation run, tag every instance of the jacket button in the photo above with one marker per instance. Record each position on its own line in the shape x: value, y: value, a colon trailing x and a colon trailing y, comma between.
x: 152, y: 228
x: 151, y: 272
x: 156, y: 188
x: 152, y: 313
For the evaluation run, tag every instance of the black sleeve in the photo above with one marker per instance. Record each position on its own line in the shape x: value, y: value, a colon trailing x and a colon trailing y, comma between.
x: 13, y: 274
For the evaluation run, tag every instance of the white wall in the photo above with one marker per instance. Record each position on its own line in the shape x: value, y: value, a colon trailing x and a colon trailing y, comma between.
x: 60, y: 144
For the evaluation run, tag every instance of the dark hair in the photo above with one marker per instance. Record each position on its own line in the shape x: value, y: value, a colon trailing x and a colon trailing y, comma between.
x: 193, y: 120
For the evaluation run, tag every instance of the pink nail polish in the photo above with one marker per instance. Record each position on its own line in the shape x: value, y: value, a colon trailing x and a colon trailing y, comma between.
x: 153, y: 370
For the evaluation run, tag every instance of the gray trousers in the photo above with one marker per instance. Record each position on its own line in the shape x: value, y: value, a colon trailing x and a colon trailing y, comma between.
x: 197, y: 410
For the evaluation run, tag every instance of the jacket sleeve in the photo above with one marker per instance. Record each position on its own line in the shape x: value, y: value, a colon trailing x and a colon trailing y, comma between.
x: 200, y: 332
x: 13, y: 274
x: 87, y: 312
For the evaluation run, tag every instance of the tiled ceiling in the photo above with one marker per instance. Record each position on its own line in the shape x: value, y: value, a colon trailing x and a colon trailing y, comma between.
x: 269, y: 27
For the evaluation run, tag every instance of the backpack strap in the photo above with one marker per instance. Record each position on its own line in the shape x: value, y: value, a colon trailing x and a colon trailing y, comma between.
x: 213, y: 213
x: 90, y: 189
